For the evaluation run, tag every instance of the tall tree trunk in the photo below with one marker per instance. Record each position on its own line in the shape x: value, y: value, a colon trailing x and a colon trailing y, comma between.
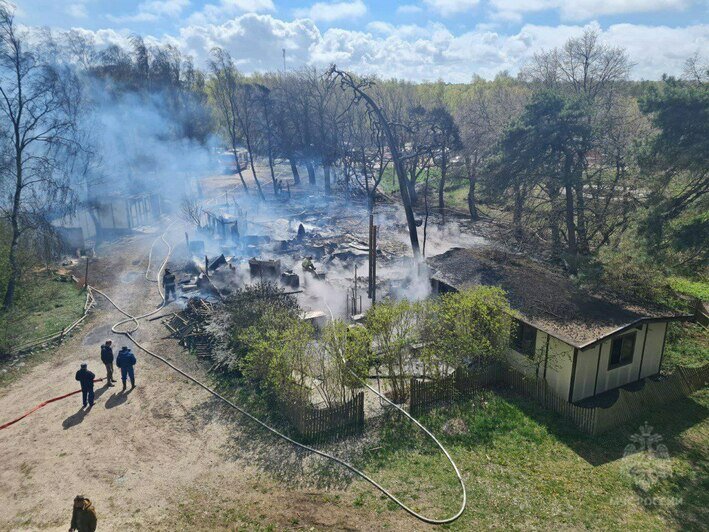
x: 294, y: 171
x: 411, y: 184
x: 311, y: 172
x: 253, y: 169
x: 569, y: 213
x: 326, y: 173
x: 572, y: 247
x: 472, y: 182
x: 553, y: 221
x: 472, y: 202
x: 581, y: 218
x: 398, y: 167
x: 442, y: 183
x: 15, y: 227
x: 273, y: 174
x: 517, y: 212
x: 238, y: 170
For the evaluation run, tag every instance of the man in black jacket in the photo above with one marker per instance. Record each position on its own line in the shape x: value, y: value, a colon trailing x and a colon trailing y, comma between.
x: 107, y: 359
x: 86, y: 378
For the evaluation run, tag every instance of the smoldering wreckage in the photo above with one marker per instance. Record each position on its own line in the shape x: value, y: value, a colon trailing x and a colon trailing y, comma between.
x: 338, y: 260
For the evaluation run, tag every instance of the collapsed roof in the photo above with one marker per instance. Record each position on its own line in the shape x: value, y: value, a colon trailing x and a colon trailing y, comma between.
x: 542, y: 297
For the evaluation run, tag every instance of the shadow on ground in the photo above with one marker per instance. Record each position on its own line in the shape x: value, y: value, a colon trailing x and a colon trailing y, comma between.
x: 118, y: 398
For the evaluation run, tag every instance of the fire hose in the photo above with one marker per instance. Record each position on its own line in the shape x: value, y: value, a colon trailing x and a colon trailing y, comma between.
x: 350, y: 467
x: 129, y: 318
x: 40, y: 405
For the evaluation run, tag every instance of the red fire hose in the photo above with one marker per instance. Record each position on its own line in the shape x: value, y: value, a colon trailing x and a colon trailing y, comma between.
x: 40, y: 405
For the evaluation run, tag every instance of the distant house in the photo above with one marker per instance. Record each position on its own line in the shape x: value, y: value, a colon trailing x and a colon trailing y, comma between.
x: 582, y: 344
x: 110, y: 217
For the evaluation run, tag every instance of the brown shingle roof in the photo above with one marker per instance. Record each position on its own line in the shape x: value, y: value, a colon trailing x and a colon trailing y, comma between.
x: 545, y: 298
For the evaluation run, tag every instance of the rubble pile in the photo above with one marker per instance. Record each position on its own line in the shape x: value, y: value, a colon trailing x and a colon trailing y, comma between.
x: 188, y: 326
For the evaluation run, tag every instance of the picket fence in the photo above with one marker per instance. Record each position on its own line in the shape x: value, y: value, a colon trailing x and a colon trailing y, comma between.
x: 591, y: 420
x: 319, y: 424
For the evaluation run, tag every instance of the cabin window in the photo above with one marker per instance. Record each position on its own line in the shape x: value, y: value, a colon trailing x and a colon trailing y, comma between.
x: 523, y: 338
x: 622, y: 350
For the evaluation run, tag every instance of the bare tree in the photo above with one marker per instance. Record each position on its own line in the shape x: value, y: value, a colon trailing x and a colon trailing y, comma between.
x: 191, y: 211
x: 39, y: 103
x: 482, y: 117
x: 358, y: 88
x: 232, y: 99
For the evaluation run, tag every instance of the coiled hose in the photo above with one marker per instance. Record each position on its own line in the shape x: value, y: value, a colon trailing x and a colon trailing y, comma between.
x: 135, y: 320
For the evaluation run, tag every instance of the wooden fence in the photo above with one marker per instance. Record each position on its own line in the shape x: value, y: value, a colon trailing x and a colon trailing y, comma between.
x: 592, y: 420
x: 318, y: 424
x: 656, y: 392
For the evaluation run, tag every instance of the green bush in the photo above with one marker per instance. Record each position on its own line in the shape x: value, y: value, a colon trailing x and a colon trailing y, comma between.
x: 341, y: 360
x: 395, y: 327
x: 459, y: 327
x: 276, y: 350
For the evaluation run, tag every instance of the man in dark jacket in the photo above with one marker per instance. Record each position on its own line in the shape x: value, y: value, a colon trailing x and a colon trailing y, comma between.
x: 107, y: 359
x: 86, y: 378
x: 168, y: 282
x: 83, y: 516
x: 126, y: 360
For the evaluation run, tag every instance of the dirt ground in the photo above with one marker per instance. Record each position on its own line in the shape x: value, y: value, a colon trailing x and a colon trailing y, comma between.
x: 162, y: 457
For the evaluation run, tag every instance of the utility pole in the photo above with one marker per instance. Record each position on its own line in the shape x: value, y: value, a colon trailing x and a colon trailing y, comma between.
x: 86, y: 274
x: 372, y: 288
x: 284, y: 60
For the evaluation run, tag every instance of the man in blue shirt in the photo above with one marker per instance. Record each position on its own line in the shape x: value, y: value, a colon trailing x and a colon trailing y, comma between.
x: 126, y: 360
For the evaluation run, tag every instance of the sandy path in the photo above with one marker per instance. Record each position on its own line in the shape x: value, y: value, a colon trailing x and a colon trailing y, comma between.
x: 143, y: 456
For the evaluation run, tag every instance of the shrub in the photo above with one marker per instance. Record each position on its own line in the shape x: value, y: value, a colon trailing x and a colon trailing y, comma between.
x: 341, y: 360
x: 395, y: 327
x: 276, y: 350
x: 470, y: 325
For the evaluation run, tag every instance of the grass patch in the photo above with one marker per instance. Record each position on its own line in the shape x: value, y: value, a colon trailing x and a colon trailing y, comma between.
x: 682, y: 285
x: 43, y: 306
x: 526, y: 468
x: 687, y: 345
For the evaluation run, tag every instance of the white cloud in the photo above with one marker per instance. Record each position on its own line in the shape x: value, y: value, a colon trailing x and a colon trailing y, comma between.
x: 77, y: 10
x: 331, y: 11
x: 408, y: 9
x: 416, y: 52
x: 225, y: 9
x: 254, y: 41
x: 152, y: 10
x: 451, y: 7
x: 512, y: 10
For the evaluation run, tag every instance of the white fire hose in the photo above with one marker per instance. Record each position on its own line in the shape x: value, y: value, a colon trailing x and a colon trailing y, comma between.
x: 135, y: 320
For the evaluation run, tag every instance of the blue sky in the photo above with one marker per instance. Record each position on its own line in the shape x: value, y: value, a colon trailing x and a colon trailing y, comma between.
x: 413, y: 39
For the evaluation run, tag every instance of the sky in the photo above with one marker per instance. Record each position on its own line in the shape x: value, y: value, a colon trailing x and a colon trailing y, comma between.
x: 418, y: 40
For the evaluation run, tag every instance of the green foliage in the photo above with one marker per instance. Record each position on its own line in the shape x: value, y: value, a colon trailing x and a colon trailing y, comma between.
x: 687, y: 345
x: 628, y: 273
x: 341, y: 351
x: 245, y: 308
x: 698, y: 289
x: 469, y: 325
x: 394, y: 326
x: 676, y: 159
x: 276, y: 350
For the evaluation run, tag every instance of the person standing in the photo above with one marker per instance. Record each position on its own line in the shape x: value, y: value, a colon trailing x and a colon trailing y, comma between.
x: 83, y: 515
x: 168, y: 283
x: 86, y: 379
x: 126, y: 360
x: 107, y: 359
